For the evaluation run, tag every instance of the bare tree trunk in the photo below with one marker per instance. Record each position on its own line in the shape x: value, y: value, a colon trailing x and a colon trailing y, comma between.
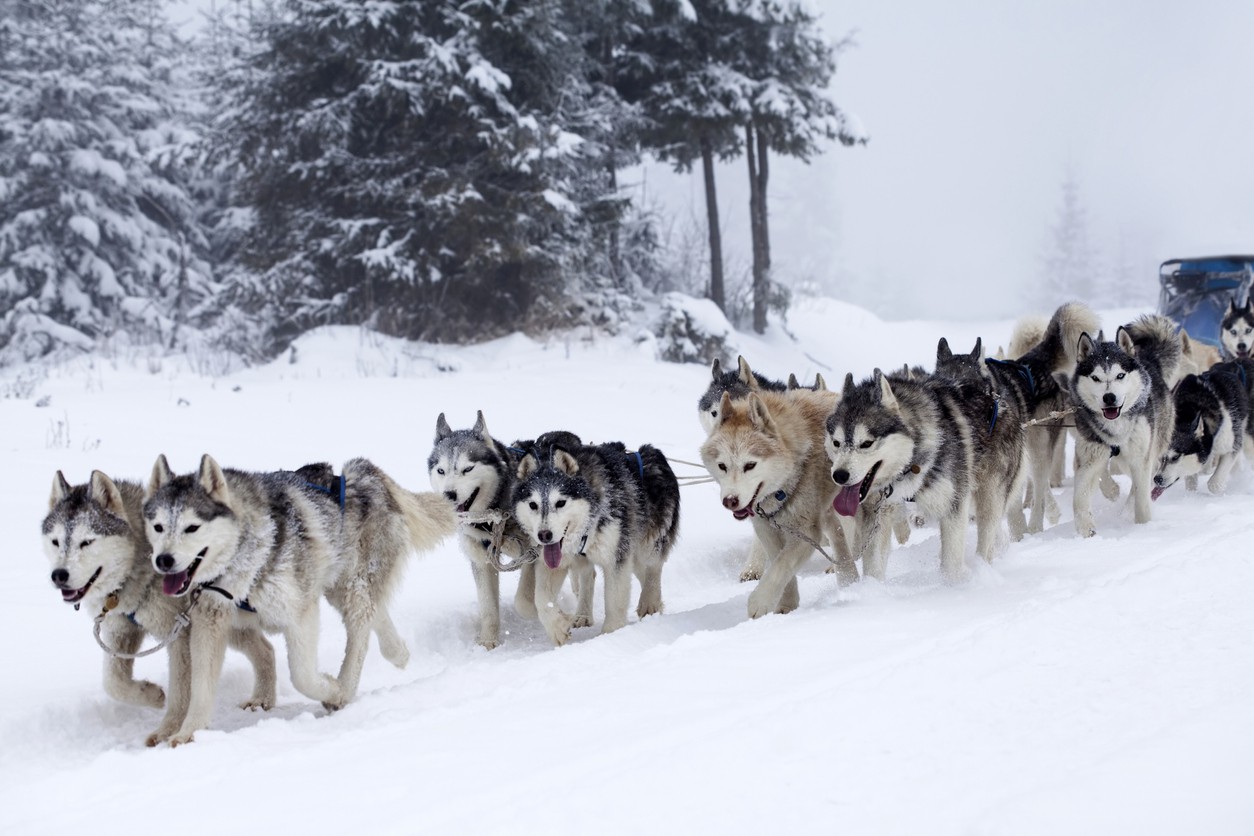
x: 711, y: 214
x: 755, y: 232
x: 763, y: 218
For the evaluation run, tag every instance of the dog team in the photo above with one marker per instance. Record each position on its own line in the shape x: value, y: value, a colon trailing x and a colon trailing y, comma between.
x: 219, y: 557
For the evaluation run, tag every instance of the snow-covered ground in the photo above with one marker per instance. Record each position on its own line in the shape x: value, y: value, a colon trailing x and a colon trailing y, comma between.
x: 1074, y: 686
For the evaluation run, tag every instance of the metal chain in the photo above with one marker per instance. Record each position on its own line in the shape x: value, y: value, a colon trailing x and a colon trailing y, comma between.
x: 181, y: 622
x: 495, y: 520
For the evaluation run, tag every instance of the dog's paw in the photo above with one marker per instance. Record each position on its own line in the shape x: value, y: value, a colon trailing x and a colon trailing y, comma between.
x: 489, y: 644
x: 1216, y: 485
x: 150, y: 694
x: 257, y: 704
x: 1085, y: 526
x: 578, y: 621
x: 751, y: 574
x: 759, y: 605
x: 181, y: 738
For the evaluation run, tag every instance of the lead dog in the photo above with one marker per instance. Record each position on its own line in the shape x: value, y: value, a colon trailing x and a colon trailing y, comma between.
x: 278, y: 542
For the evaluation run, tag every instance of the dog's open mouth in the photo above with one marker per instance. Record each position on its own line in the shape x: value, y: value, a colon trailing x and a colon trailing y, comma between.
x: 850, y: 497
x: 177, y: 583
x: 1110, y: 413
x: 73, y: 596
x: 745, y: 511
x: 470, y: 500
x: 553, y: 554
x: 1158, y: 490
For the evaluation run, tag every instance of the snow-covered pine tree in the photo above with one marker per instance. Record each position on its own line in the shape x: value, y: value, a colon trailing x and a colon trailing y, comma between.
x: 1071, y: 262
x: 410, y: 166
x: 97, y: 233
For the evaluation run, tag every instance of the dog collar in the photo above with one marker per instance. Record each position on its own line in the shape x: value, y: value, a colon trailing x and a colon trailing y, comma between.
x: 242, y: 603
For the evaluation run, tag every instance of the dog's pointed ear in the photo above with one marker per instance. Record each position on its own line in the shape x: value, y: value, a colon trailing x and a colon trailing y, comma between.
x: 886, y: 397
x: 565, y: 462
x: 1124, y: 338
x: 442, y: 429
x: 820, y: 385
x: 160, y: 475
x: 528, y: 465
x: 847, y: 389
x: 481, y: 426
x: 60, y: 489
x: 1232, y: 304
x: 1186, y: 345
x: 746, y: 373
x: 977, y: 353
x: 724, y: 407
x: 1196, y: 429
x: 1001, y: 353
x: 942, y: 350
x: 716, y: 369
x: 793, y: 383
x: 213, y: 480
x: 760, y: 415
x: 103, y: 490
x: 1084, y: 347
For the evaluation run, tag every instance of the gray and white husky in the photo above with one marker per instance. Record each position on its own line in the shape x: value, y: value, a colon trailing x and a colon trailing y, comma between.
x: 94, y: 538
x: 889, y: 441
x: 1211, y: 426
x: 601, y: 505
x: 1236, y: 335
x: 1123, y: 409
x: 277, y: 543
x: 475, y: 473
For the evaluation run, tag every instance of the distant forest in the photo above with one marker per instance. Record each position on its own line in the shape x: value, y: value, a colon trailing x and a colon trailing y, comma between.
x: 443, y: 170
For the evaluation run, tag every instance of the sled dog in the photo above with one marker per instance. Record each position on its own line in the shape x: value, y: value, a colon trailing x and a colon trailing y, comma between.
x: 890, y: 441
x: 1195, y: 358
x: 601, y: 505
x: 277, y: 543
x: 94, y: 538
x: 765, y: 454
x: 1237, y: 330
x: 1000, y: 452
x: 1212, y: 427
x: 1123, y: 409
x: 1030, y: 383
x: 475, y: 473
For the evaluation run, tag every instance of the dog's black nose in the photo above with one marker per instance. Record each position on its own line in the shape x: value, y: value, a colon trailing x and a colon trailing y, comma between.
x: 451, y: 496
x: 1109, y: 399
x: 60, y: 577
x: 165, y: 562
x: 731, y: 502
x: 840, y: 477
x: 545, y: 536
x: 1242, y: 347
x: 1158, y: 480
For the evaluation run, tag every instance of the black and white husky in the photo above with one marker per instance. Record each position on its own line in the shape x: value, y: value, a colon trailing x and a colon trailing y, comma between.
x: 279, y: 542
x: 1211, y: 426
x: 603, y: 506
x: 1123, y: 410
x: 1236, y: 335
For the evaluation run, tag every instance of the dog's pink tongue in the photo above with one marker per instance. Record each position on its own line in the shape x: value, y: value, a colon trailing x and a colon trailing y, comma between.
x: 553, y: 555
x: 1156, y: 492
x: 846, y: 502
x: 1110, y: 413
x: 171, y: 584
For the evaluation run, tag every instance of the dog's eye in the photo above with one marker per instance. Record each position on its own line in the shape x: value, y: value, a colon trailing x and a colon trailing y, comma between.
x: 191, y: 529
x: 1120, y: 376
x: 158, y: 527
x: 85, y: 544
x: 750, y: 466
x: 713, y: 413
x: 533, y: 506
x: 55, y: 543
x: 836, y: 444
x: 866, y: 445
x: 1096, y: 379
x: 440, y: 470
x: 722, y: 467
x: 466, y: 470
x: 561, y: 503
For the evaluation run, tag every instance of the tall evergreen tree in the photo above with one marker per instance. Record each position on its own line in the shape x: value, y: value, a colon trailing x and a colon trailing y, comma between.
x: 1071, y: 262
x: 415, y: 166
x: 98, y: 234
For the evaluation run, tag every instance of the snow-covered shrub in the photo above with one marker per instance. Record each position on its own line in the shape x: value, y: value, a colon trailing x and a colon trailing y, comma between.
x: 691, y: 330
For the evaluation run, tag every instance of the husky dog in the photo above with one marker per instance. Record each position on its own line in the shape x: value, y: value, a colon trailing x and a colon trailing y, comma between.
x: 94, y: 537
x: 888, y: 441
x: 998, y: 433
x: 1212, y: 412
x: 1123, y: 408
x: 764, y: 454
x: 1030, y: 383
x: 1195, y: 358
x: 277, y: 543
x: 475, y: 473
x: 820, y: 385
x: 738, y: 384
x: 603, y: 506
x: 1237, y: 330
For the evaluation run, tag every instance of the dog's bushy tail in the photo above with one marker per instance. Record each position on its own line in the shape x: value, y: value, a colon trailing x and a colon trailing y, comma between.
x: 428, y: 517
x: 1157, y: 343
x: 1062, y: 335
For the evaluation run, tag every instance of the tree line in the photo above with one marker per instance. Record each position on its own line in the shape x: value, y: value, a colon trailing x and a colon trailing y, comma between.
x: 441, y: 170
